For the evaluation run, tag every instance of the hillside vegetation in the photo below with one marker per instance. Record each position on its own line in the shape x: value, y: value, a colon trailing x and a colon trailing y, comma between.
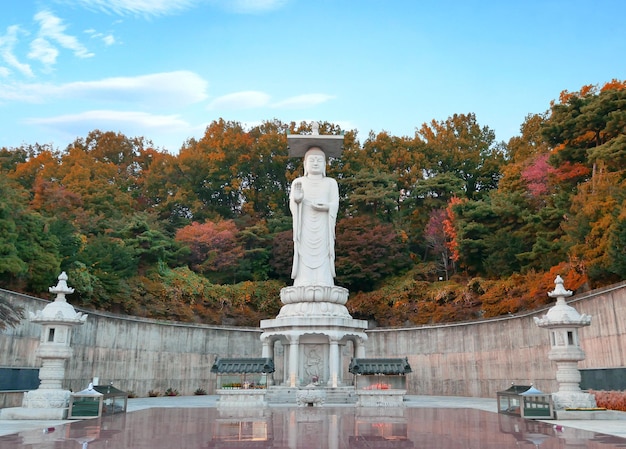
x: 441, y: 226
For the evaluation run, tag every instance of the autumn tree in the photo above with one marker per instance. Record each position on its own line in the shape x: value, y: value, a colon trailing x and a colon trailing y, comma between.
x: 460, y: 146
x: 587, y: 131
x: 437, y: 240
x: 215, y: 250
x: 399, y: 158
x: 368, y: 251
x: 262, y: 170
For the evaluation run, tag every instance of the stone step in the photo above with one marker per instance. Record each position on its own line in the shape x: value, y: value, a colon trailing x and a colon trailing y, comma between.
x: 287, y: 395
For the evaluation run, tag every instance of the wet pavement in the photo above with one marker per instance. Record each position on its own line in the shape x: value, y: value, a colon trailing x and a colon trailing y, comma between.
x: 426, y: 422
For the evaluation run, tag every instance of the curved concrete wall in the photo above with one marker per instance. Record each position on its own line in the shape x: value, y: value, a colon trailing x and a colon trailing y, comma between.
x: 481, y: 358
x: 466, y: 359
x: 136, y: 354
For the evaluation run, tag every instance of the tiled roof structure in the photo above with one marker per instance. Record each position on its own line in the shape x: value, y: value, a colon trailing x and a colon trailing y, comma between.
x: 380, y: 366
x: 243, y: 366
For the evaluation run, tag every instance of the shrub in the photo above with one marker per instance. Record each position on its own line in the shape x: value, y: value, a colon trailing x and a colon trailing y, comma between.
x: 610, y: 400
x: 200, y: 392
x: 154, y: 393
x: 171, y: 392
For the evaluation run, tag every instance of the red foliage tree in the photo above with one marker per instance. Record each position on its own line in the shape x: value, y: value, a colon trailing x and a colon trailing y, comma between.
x: 536, y: 175
x: 213, y: 245
x: 436, y: 238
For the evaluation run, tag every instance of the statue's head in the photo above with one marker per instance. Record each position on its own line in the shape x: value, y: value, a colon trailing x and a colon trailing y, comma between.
x: 314, y: 155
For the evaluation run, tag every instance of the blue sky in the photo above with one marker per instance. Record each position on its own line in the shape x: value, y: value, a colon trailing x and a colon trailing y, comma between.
x: 165, y: 69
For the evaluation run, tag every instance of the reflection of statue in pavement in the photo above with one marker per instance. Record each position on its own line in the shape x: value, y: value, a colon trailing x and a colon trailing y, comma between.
x: 314, y: 200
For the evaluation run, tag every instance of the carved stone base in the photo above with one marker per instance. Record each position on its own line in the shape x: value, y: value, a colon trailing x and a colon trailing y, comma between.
x: 310, y: 397
x: 573, y: 399
x: 21, y: 413
x: 314, y: 293
x: 314, y: 309
x: 380, y: 398
x: 46, y: 399
x: 243, y: 398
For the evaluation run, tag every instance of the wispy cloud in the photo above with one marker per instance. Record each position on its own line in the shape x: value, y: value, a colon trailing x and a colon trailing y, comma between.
x: 148, y: 8
x: 8, y: 42
x: 108, y: 39
x: 168, y: 89
x: 52, y: 30
x: 303, y: 101
x: 110, y: 119
x: 157, y: 8
x: 250, y: 6
x: 172, y: 129
x: 241, y: 100
x: 254, y: 99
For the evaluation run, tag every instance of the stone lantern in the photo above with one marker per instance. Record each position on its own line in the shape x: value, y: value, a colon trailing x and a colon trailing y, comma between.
x: 50, y: 400
x: 563, y: 322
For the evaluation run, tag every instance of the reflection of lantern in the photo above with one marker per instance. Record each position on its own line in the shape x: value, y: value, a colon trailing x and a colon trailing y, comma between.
x: 83, y: 434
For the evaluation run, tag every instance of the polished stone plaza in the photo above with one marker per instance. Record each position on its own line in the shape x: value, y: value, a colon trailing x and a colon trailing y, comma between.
x: 425, y: 422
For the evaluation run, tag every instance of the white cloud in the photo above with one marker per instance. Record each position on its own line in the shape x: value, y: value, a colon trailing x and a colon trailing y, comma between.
x: 303, y: 101
x: 156, y: 8
x: 250, y: 6
x: 136, y: 7
x: 108, y: 40
x: 42, y: 50
x: 168, y: 89
x: 254, y: 99
x: 166, y: 131
x: 241, y: 100
x: 7, y: 45
x: 52, y: 29
x: 110, y: 119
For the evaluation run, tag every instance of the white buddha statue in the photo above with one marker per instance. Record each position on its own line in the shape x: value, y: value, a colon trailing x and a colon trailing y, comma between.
x: 314, y: 201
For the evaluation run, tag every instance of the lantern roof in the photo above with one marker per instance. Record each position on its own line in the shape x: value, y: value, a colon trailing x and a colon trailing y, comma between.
x: 59, y: 311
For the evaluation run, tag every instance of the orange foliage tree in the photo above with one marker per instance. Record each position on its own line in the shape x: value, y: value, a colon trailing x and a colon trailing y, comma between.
x: 214, y: 247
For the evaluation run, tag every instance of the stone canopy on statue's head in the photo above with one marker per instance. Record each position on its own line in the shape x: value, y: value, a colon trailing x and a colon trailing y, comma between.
x: 299, y: 144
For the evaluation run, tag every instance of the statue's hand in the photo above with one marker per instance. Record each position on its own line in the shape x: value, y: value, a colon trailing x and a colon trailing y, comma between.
x: 298, y: 193
x: 320, y: 206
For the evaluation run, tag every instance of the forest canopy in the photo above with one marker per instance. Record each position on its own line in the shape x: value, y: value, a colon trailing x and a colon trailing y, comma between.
x: 441, y: 226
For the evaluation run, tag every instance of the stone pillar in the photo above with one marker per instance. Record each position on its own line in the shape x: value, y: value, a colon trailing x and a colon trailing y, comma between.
x: 563, y: 321
x: 333, y: 358
x: 359, y: 348
x: 293, y: 361
x: 266, y: 348
x: 267, y: 352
